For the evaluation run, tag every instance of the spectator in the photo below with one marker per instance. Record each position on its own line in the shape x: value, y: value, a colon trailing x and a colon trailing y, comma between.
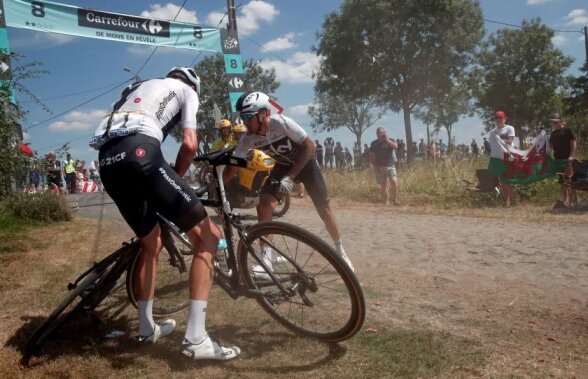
x: 437, y: 151
x: 357, y: 155
x: 442, y: 149
x: 35, y: 175
x: 563, y: 143
x: 507, y: 134
x: 319, y: 153
x: 54, y: 172
x: 382, y: 158
x: 226, y: 139
x: 475, y: 148
x: 69, y: 166
x: 486, y: 146
x: 348, y: 160
x: 339, y: 156
x: 422, y: 148
x: 329, y: 152
x: 238, y: 131
x: 366, y: 155
x: 95, y: 175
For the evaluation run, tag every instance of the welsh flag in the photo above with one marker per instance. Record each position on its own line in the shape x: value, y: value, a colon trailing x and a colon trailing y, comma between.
x: 516, y: 166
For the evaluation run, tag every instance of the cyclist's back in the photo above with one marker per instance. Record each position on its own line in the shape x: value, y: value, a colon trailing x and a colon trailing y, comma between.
x: 152, y: 108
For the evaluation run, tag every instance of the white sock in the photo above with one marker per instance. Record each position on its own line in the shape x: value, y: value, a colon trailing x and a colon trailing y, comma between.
x: 146, y: 323
x: 267, y: 256
x: 196, y: 328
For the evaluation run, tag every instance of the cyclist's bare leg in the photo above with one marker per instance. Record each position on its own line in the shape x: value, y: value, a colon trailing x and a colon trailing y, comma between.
x: 147, y: 263
x: 265, y: 207
x: 146, y: 275
x: 267, y: 203
x: 328, y: 217
x: 204, y: 237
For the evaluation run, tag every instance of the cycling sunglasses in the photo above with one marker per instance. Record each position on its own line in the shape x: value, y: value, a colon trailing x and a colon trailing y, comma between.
x: 247, y: 116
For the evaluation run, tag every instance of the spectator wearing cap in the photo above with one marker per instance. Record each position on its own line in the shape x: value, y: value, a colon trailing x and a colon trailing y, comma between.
x: 226, y: 139
x: 563, y: 143
x: 507, y: 134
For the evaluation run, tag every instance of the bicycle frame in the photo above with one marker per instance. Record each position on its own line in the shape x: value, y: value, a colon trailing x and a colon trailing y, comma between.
x: 229, y: 220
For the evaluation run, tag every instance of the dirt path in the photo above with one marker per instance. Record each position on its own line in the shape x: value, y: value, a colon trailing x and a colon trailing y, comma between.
x: 521, y: 288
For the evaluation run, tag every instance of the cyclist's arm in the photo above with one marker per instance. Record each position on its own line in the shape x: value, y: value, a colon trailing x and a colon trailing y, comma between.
x: 306, y: 153
x: 187, y: 151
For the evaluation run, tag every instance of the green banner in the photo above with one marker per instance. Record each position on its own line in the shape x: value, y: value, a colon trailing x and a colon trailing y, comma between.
x: 52, y: 17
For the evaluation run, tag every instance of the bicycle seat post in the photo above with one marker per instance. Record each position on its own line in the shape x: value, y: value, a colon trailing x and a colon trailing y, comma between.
x: 221, y: 186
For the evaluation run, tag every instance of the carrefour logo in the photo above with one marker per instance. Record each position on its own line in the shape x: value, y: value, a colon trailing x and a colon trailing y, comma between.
x: 122, y: 23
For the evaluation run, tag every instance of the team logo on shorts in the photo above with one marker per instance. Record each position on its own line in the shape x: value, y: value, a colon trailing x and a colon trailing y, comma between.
x: 137, y: 100
x: 140, y: 153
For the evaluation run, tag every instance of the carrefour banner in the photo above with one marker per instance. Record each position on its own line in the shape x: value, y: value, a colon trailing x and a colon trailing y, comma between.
x: 52, y: 17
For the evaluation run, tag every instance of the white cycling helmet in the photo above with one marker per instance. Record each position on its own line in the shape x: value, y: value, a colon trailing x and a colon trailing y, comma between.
x: 253, y: 102
x: 187, y: 73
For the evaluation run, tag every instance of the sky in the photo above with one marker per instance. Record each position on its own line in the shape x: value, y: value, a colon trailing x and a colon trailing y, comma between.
x: 280, y: 34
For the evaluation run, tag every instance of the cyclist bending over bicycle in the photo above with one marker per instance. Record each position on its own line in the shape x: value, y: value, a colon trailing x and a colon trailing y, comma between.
x: 141, y: 183
x: 285, y: 141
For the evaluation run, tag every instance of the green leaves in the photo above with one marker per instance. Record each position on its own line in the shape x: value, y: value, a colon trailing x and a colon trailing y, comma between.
x: 394, y: 53
x: 521, y: 73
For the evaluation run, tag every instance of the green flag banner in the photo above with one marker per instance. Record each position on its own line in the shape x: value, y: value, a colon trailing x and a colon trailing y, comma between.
x: 66, y: 19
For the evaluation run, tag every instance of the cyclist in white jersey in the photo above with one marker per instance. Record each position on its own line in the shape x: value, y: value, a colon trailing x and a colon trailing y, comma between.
x: 285, y: 141
x: 142, y: 184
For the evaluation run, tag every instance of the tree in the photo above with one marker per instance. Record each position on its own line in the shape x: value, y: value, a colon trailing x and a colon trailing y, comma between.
x: 445, y: 105
x: 331, y: 112
x: 575, y: 104
x: 521, y: 72
x: 14, y: 164
x: 214, y: 91
x: 398, y: 49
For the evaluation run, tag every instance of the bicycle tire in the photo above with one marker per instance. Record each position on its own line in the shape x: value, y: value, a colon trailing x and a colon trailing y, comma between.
x: 282, y: 206
x: 343, y: 312
x: 171, y: 286
x: 74, y: 301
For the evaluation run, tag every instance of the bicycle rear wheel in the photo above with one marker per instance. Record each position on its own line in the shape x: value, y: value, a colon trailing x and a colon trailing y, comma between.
x: 173, y: 270
x: 324, y: 299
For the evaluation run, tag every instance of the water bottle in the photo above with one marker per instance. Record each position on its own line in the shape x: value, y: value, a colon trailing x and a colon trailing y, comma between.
x: 220, y: 256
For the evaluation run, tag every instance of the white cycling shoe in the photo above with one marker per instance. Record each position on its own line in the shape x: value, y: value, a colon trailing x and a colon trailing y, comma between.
x: 209, y: 349
x: 160, y: 331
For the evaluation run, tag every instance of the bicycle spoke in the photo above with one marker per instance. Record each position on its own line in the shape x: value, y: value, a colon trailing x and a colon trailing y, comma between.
x: 326, y: 302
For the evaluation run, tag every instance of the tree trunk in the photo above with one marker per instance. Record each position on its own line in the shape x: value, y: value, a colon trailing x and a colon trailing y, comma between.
x: 408, y: 130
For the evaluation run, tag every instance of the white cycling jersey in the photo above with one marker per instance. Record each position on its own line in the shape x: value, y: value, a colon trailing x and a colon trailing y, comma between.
x: 281, y: 141
x: 152, y: 108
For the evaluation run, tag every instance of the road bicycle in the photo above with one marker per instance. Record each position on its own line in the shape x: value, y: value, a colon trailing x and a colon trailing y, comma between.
x: 308, y: 288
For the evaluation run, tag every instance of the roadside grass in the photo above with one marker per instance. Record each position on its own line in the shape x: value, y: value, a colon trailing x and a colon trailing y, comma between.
x: 437, y: 184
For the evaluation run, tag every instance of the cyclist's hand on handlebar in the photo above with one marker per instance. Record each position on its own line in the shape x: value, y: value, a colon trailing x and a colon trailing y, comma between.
x: 286, y: 185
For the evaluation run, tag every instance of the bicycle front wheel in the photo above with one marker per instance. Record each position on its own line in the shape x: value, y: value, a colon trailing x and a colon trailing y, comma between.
x: 322, y: 299
x: 173, y: 270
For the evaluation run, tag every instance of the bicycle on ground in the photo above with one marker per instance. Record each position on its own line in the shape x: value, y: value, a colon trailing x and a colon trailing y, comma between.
x: 308, y: 288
